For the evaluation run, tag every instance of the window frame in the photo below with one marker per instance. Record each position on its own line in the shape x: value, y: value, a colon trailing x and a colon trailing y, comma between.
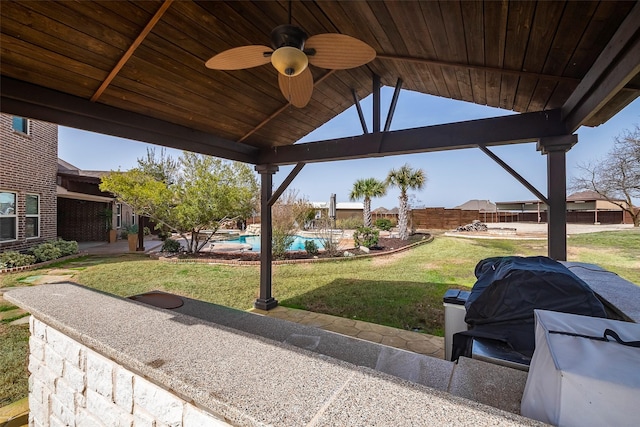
x: 28, y: 215
x: 118, y: 215
x: 14, y: 215
x: 23, y: 130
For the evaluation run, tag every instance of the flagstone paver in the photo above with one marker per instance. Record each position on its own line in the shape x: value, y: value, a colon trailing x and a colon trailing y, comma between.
x: 407, y: 340
x: 344, y: 330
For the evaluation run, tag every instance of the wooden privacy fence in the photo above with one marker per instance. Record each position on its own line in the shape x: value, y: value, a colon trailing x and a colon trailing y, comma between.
x: 445, y: 219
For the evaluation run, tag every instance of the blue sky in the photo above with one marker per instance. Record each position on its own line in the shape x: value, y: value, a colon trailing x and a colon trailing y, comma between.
x: 453, y: 177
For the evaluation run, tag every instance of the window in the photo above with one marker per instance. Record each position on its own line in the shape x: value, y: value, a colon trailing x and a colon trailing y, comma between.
x: 32, y: 221
x: 20, y: 124
x: 118, y: 215
x: 8, y: 216
x: 133, y: 218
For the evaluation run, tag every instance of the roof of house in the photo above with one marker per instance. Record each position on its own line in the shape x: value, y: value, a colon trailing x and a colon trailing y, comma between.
x: 580, y: 196
x: 339, y: 205
x: 67, y: 168
x: 478, y: 205
x: 585, y: 196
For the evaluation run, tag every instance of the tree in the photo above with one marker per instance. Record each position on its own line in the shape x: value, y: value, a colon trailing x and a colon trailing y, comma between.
x: 162, y: 167
x: 195, y: 194
x: 366, y: 189
x: 405, y: 178
x: 616, y: 177
x: 289, y: 213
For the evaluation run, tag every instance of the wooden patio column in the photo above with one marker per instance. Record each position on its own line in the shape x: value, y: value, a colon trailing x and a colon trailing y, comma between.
x: 265, y: 301
x: 555, y: 148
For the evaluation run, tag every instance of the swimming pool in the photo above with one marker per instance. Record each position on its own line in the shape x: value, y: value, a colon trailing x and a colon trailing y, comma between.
x: 297, y: 245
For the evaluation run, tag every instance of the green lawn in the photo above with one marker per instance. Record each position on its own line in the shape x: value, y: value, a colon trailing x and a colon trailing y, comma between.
x: 403, y: 290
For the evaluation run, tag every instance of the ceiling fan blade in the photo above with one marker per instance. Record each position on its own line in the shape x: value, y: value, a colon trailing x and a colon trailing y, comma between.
x: 240, y: 58
x: 297, y: 90
x: 338, y: 51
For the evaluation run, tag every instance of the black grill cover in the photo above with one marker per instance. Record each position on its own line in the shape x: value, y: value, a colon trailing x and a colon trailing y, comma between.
x: 508, y: 289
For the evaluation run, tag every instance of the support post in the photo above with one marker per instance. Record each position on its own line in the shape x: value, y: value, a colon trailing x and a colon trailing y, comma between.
x: 555, y: 148
x: 141, y: 224
x: 376, y: 104
x: 265, y: 301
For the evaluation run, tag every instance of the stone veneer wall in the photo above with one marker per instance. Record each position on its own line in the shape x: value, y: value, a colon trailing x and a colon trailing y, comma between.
x: 71, y: 384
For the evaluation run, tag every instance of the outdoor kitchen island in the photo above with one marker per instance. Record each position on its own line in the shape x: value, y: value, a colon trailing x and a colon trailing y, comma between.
x: 97, y: 359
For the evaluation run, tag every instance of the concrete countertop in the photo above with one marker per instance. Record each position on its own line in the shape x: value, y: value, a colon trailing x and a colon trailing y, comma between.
x: 621, y: 294
x: 245, y: 378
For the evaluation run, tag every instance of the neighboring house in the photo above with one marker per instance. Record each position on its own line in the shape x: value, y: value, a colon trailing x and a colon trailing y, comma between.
x: 28, y: 154
x: 582, y: 207
x: 382, y: 212
x: 486, y: 208
x: 344, y: 210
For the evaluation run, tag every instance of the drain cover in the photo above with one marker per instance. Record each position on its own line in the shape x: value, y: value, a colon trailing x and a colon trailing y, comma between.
x: 159, y: 299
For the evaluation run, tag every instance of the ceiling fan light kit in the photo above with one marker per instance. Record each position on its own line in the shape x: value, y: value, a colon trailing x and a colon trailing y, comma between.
x: 289, y: 61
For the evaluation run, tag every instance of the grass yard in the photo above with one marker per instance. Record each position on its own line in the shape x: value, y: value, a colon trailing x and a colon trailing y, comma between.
x: 403, y: 290
x: 14, y: 346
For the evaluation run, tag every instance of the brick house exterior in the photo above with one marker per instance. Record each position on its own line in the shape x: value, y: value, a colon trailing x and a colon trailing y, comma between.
x: 28, y: 168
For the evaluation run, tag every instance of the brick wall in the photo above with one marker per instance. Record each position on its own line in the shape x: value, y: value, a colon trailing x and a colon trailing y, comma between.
x: 29, y: 165
x: 71, y: 384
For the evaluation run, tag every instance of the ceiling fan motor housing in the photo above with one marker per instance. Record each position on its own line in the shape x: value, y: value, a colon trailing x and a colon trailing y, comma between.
x: 288, y: 57
x: 288, y: 35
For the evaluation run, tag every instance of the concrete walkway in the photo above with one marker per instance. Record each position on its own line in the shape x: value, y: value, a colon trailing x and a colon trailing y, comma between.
x: 151, y: 243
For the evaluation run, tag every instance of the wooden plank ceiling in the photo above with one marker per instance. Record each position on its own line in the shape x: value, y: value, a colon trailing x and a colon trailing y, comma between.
x: 521, y: 56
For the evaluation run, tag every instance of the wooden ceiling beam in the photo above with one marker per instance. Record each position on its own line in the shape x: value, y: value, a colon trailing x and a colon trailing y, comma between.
x: 518, y: 73
x: 513, y: 129
x: 39, y: 103
x: 618, y: 63
x: 121, y: 63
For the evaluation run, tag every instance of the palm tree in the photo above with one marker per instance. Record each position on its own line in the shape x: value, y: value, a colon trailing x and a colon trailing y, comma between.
x: 405, y: 178
x: 367, y: 188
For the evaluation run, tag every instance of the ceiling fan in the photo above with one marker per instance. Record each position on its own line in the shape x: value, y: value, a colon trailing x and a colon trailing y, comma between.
x: 291, y: 52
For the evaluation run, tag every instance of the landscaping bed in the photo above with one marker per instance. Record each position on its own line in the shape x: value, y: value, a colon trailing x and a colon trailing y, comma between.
x: 385, y: 245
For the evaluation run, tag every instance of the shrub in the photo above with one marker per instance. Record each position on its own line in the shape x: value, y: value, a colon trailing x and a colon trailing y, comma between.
x: 164, y: 234
x: 281, y: 240
x: 349, y: 223
x: 383, y: 224
x: 311, y: 247
x: 67, y: 247
x: 10, y: 259
x: 146, y: 231
x: 171, y: 245
x: 46, y: 252
x: 365, y: 236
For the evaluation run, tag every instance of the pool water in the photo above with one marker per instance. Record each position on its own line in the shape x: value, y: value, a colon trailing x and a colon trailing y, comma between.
x: 297, y: 245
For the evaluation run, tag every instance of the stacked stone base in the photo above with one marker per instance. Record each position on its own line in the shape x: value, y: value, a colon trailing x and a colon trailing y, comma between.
x: 71, y: 384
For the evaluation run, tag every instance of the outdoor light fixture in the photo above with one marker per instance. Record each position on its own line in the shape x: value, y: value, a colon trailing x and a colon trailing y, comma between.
x: 289, y: 61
